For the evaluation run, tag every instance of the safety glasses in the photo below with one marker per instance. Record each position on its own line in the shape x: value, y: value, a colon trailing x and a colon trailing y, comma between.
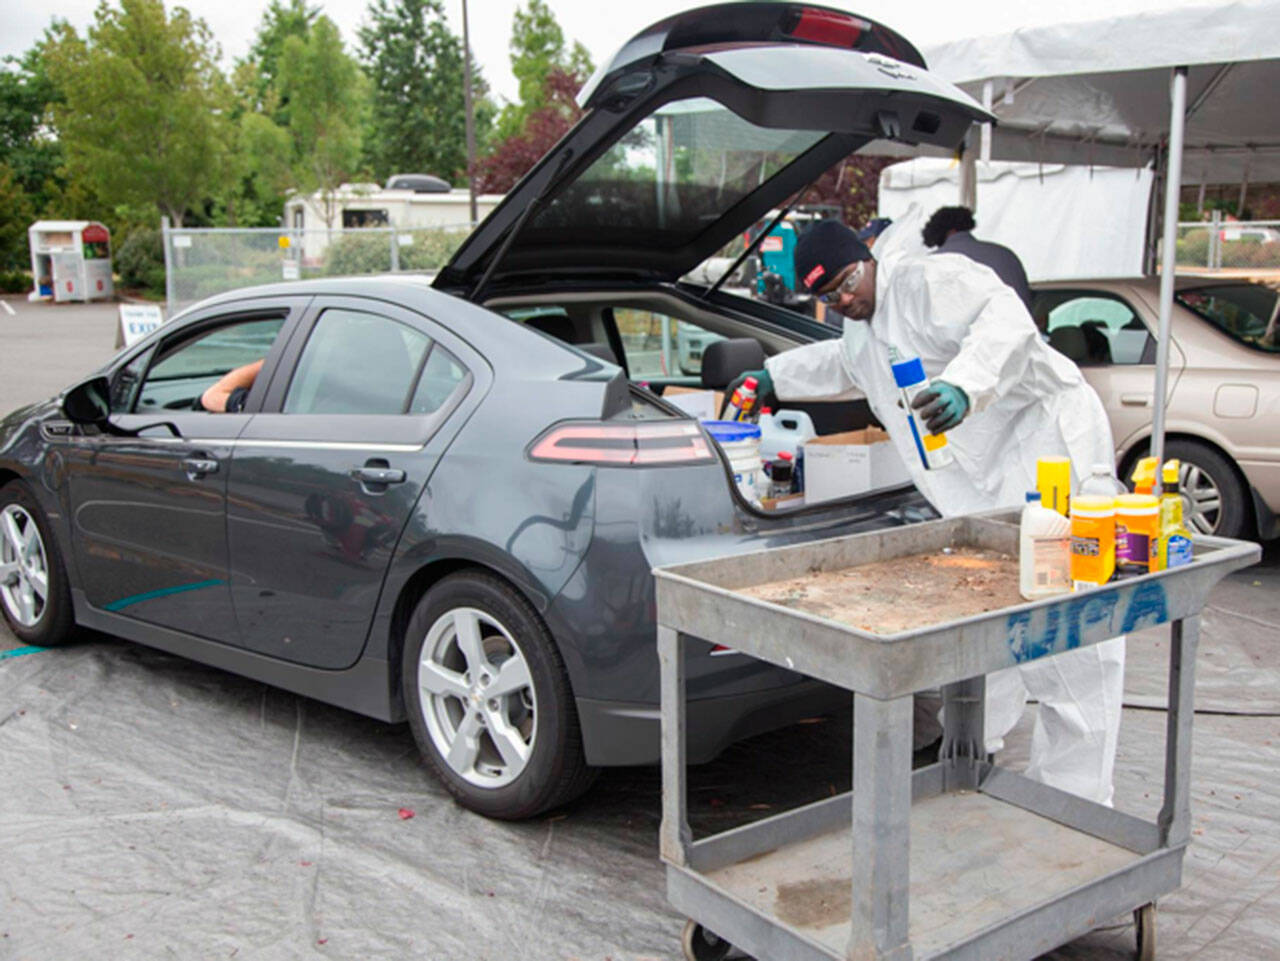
x: 847, y: 286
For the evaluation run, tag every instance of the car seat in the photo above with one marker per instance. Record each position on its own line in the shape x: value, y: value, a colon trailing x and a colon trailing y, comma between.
x: 559, y: 326
x: 723, y: 361
x: 1070, y: 342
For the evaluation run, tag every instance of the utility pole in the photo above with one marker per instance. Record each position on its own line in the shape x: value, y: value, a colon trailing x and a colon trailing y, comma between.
x: 471, y: 128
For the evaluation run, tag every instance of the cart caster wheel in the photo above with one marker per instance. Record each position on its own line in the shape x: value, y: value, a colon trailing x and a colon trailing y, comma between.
x: 1144, y: 921
x: 701, y: 945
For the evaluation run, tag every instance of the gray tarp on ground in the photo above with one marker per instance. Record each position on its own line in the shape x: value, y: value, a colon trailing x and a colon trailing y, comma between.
x: 155, y: 808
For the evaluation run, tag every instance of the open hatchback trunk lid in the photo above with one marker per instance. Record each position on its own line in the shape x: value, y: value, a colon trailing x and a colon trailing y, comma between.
x: 696, y: 128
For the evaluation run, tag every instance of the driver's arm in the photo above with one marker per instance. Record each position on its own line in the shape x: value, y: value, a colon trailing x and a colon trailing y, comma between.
x: 215, y: 398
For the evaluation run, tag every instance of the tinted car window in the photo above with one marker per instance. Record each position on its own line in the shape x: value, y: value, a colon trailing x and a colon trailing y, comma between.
x: 1245, y: 312
x: 671, y: 177
x: 1093, y: 328
x: 184, y: 369
x: 441, y: 376
x: 356, y: 363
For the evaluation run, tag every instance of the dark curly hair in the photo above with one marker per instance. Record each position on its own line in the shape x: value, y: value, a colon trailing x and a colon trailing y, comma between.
x: 945, y: 220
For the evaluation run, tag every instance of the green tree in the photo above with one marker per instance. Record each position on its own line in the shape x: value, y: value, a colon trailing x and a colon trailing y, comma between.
x: 537, y: 49
x: 257, y: 77
x: 144, y: 119
x: 328, y: 97
x: 415, y: 66
x: 15, y: 217
x: 27, y: 143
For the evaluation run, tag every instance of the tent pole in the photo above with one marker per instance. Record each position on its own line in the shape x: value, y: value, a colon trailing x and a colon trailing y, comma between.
x: 1168, y: 259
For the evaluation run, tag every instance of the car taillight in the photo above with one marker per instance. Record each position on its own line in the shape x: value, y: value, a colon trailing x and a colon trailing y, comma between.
x: 828, y: 27
x: 623, y: 445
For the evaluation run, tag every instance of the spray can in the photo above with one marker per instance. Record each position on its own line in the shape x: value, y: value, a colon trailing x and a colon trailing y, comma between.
x: 911, y: 380
x: 743, y: 401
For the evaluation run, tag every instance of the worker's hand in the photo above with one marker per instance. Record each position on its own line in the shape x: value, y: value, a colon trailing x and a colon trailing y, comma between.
x: 942, y: 406
x: 765, y: 397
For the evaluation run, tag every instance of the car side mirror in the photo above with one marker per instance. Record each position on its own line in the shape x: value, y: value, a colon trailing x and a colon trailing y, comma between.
x: 88, y: 402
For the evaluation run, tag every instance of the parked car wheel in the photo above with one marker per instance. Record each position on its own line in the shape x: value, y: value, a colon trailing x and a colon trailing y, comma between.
x: 489, y: 700
x: 1214, y: 501
x: 34, y: 594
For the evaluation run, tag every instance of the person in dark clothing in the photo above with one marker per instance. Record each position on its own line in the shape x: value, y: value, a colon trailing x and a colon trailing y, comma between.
x: 949, y: 230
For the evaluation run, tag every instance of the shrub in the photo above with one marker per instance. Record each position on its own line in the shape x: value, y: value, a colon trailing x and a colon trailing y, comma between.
x: 14, y: 282
x: 140, y: 259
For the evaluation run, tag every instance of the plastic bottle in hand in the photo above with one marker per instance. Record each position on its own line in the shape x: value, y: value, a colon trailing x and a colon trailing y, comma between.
x: 911, y: 380
x: 1044, y: 551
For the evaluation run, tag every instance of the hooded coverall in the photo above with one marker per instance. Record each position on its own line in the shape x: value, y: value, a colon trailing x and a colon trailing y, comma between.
x: 1026, y: 401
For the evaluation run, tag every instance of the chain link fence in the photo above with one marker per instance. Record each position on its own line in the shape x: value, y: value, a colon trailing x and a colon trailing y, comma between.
x: 1229, y: 244
x: 200, y: 262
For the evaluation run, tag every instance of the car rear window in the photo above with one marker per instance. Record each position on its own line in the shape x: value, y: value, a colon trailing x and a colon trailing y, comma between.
x: 1244, y: 312
x: 669, y: 179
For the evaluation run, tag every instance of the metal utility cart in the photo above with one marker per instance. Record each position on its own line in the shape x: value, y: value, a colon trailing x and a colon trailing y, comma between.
x: 1002, y: 867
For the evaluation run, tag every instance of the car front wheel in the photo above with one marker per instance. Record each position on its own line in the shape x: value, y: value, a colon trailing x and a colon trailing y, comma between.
x: 489, y: 700
x: 34, y: 594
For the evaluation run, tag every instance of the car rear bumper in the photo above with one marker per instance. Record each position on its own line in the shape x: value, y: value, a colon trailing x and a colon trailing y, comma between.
x: 617, y: 733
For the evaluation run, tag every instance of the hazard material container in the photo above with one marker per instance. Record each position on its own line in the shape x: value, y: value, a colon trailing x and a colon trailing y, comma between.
x: 70, y: 260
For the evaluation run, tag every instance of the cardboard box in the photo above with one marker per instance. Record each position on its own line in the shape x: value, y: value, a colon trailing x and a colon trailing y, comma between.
x: 852, y: 463
x: 699, y: 403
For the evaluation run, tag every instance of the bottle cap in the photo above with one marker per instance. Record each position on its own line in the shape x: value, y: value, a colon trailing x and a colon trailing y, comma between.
x: 785, y: 455
x: 909, y: 372
x: 1033, y: 497
x: 1170, y: 471
x: 765, y: 410
x: 750, y: 383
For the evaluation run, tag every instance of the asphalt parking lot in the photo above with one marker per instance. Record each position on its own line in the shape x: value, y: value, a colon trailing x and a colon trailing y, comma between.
x: 156, y: 808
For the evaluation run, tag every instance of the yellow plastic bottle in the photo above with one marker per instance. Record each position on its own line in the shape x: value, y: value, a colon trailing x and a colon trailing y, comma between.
x: 1174, y: 549
x: 1053, y: 481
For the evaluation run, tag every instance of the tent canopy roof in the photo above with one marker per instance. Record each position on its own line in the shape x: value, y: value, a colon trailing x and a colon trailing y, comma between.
x: 1098, y: 92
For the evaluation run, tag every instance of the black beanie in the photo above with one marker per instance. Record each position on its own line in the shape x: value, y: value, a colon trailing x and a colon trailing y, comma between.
x: 824, y: 250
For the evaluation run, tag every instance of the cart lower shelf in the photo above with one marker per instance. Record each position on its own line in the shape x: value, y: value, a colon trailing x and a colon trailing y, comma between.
x: 978, y: 865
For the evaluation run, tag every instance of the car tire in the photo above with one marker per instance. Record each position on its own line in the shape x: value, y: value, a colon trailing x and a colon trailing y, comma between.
x: 489, y: 700
x: 1214, y: 499
x: 35, y: 596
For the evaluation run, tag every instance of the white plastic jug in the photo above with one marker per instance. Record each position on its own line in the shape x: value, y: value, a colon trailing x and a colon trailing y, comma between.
x: 786, y: 430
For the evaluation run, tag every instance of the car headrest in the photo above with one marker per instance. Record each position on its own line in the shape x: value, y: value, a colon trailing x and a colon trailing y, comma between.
x: 724, y: 360
x: 603, y: 351
x: 1069, y: 341
x: 558, y: 326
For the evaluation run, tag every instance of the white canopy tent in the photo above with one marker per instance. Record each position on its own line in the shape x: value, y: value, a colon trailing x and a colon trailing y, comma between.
x: 1188, y: 88
x: 1064, y: 221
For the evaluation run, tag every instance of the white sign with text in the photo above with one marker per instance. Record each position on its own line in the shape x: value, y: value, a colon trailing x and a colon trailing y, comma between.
x: 136, y: 321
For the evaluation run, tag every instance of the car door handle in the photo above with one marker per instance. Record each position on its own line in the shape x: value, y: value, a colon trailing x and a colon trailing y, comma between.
x: 1136, y: 400
x: 378, y: 475
x: 197, y: 467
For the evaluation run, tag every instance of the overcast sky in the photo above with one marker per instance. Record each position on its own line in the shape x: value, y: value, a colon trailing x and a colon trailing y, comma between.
x: 602, y: 25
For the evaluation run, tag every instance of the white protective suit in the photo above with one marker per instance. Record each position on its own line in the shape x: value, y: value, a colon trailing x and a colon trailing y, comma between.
x: 1026, y: 401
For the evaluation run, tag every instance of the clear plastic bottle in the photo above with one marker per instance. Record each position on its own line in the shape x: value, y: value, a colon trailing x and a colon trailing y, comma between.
x: 1101, y: 482
x: 1044, y: 551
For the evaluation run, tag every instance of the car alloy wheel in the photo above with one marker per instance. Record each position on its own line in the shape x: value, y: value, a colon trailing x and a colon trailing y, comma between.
x: 1201, y: 499
x: 24, y: 567
x: 477, y: 696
